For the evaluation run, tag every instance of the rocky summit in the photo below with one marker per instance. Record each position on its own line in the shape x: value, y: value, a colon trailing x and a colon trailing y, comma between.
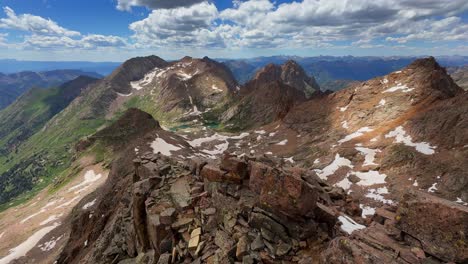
x: 178, y: 162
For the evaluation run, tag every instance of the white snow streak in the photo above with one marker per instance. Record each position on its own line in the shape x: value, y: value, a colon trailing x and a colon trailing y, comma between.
x: 401, y: 137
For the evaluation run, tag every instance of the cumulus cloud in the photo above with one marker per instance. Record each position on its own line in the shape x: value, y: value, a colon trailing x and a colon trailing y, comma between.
x: 47, y: 34
x: 34, y: 24
x: 182, y: 26
x: 264, y: 24
x: 316, y: 23
x: 155, y: 4
x: 86, y: 42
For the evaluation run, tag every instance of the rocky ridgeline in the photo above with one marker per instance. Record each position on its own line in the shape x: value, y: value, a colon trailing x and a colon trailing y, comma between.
x: 250, y: 211
x: 242, y: 210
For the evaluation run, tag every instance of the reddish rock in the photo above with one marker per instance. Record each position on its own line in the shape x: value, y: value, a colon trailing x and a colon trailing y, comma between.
x: 440, y: 225
x: 235, y: 166
x: 212, y: 173
x: 283, y: 192
x: 258, y: 176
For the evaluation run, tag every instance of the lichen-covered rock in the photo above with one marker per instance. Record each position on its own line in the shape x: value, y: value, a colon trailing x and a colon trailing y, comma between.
x: 440, y: 225
x: 283, y: 192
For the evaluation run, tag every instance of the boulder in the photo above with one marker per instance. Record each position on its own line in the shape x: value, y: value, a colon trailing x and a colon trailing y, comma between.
x: 215, y: 174
x: 282, y: 192
x: 235, y: 166
x: 440, y: 225
x: 147, y: 170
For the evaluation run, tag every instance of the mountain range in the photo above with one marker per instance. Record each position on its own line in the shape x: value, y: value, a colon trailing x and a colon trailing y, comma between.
x: 15, y: 84
x: 247, y: 160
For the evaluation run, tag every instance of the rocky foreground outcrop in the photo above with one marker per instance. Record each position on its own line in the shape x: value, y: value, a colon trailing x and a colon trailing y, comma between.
x: 159, y: 209
x: 249, y: 210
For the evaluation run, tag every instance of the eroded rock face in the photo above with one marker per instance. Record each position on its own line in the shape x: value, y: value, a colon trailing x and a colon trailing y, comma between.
x: 283, y: 192
x: 441, y: 226
x: 270, y: 95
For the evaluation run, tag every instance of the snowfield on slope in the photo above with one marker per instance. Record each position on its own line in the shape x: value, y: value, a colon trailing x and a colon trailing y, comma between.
x: 160, y: 145
x: 401, y: 137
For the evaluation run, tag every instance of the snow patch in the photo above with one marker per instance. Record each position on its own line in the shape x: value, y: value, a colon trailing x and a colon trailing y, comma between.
x: 22, y: 249
x: 377, y: 194
x: 433, y: 188
x: 216, y: 89
x: 401, y: 137
x: 218, y: 149
x: 369, y: 155
x: 356, y: 134
x: 149, y: 77
x: 345, y: 183
x: 344, y: 124
x: 349, y: 225
x: 382, y: 103
x: 160, y: 145
x: 89, y: 177
x: 367, y: 211
x: 459, y: 200
x: 370, y: 178
x: 124, y: 95
x: 342, y: 109
x: 398, y: 87
x: 337, y: 163
x: 51, y: 218
x: 49, y: 245
x: 282, y: 143
x: 89, y: 205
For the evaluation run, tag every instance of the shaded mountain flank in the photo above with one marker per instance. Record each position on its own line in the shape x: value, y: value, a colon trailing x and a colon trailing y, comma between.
x: 20, y: 121
x: 15, y: 84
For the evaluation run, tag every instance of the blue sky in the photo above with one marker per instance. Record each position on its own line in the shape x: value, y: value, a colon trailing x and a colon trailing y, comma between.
x: 115, y: 30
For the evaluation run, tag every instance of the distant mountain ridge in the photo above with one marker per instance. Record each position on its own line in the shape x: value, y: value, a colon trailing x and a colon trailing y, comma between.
x: 329, y: 69
x: 459, y: 75
x: 11, y: 66
x: 15, y: 84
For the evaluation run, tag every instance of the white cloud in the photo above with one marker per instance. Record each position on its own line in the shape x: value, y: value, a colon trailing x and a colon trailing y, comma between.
x: 33, y: 24
x: 248, y: 13
x: 86, y: 42
x: 155, y: 4
x: 182, y: 26
x: 47, y: 34
x: 265, y: 24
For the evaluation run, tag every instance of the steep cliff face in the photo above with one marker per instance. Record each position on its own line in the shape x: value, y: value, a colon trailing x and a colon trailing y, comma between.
x: 270, y: 95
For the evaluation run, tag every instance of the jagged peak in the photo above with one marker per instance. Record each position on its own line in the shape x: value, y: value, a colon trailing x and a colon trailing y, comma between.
x: 429, y: 62
x: 134, y: 60
x: 291, y: 63
x: 291, y: 73
x: 186, y: 59
x: 271, y: 72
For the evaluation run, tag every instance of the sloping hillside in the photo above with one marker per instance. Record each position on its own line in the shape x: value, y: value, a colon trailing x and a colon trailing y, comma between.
x: 15, y: 84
